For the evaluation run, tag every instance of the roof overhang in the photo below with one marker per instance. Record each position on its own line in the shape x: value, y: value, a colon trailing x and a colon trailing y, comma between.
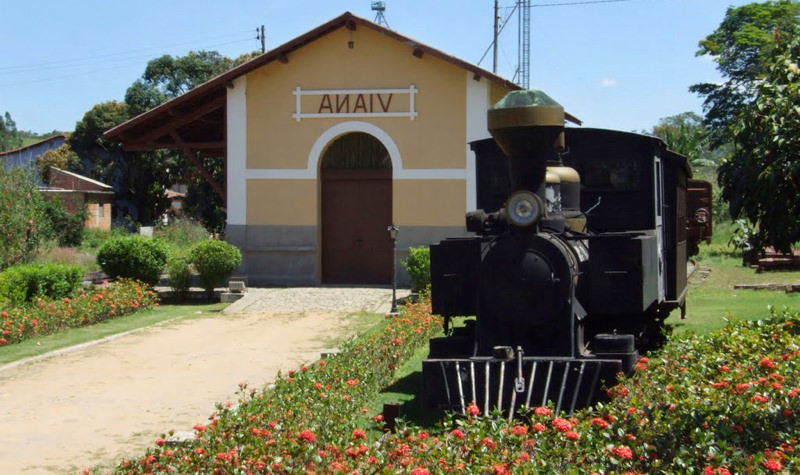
x: 195, y: 121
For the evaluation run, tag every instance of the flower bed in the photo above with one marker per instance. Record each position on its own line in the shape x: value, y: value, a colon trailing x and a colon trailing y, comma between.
x: 86, y: 306
x: 726, y: 403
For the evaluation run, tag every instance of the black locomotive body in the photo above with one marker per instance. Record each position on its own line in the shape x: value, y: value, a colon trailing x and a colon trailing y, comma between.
x: 579, y: 254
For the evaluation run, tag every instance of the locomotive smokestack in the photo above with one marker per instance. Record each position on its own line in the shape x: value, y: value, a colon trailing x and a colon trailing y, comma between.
x: 528, y: 126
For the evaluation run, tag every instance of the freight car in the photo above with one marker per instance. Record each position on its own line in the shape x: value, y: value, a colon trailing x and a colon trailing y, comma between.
x: 578, y: 255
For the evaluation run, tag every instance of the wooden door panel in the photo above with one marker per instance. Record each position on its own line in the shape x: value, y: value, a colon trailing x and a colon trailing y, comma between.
x: 356, y: 210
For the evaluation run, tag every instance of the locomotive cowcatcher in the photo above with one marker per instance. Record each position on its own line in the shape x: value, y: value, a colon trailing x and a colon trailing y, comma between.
x: 578, y: 255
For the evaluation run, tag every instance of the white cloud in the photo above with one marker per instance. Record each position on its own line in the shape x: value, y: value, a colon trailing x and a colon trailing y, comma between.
x: 608, y: 82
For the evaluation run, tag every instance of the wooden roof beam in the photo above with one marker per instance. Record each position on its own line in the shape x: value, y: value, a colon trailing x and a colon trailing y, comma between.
x: 199, y: 165
x: 182, y: 120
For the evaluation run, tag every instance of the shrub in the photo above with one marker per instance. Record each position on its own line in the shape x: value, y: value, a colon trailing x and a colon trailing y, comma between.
x: 418, y: 266
x: 134, y: 257
x: 180, y: 277
x: 20, y: 284
x: 65, y: 227
x: 215, y: 261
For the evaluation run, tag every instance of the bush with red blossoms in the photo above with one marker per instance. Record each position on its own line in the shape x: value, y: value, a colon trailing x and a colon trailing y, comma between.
x: 672, y: 416
x: 85, y: 307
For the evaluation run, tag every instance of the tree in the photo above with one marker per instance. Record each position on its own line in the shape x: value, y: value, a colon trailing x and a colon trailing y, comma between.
x: 760, y: 179
x: 740, y: 46
x: 21, y: 217
x: 686, y: 134
x: 62, y: 157
x: 9, y: 136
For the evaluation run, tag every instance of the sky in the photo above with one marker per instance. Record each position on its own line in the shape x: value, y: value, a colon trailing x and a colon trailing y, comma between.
x: 618, y: 64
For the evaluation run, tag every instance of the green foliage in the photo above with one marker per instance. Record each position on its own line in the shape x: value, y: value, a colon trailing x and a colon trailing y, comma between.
x: 20, y: 284
x: 134, y: 257
x: 180, y: 277
x: 94, y: 238
x: 215, y: 261
x: 418, y: 266
x: 9, y: 136
x: 741, y: 46
x: 686, y: 134
x: 62, y: 157
x: 760, y: 179
x: 180, y: 234
x: 22, y: 225
x: 44, y: 316
x: 65, y: 227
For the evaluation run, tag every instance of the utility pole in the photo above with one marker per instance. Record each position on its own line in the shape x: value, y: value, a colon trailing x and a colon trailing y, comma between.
x: 496, y: 34
x: 260, y: 36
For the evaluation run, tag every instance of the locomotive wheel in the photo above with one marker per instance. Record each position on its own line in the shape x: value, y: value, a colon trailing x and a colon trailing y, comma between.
x: 612, y: 343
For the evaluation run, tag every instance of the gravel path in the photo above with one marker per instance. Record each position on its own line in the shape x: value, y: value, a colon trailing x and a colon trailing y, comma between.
x: 98, y: 403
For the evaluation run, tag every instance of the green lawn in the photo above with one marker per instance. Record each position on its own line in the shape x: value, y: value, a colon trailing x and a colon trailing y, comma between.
x: 76, y: 336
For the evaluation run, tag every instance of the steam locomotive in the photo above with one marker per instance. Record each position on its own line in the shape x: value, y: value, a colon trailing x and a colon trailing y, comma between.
x: 578, y: 255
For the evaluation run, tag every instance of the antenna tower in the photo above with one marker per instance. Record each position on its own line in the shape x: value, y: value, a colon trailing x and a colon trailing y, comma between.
x: 524, y: 66
x: 379, y: 8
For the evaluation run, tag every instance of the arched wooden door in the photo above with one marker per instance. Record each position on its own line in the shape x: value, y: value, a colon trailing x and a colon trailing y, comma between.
x: 356, y: 180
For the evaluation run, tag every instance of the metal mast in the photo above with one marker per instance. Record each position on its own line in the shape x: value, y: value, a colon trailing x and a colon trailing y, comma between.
x: 380, y: 19
x: 524, y: 55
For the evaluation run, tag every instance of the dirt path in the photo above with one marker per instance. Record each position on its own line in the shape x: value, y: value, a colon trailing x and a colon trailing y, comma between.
x: 100, y: 403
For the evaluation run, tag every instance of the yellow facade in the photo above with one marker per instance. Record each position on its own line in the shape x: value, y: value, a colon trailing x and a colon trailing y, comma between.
x: 282, y: 202
x: 434, y: 139
x: 429, y: 202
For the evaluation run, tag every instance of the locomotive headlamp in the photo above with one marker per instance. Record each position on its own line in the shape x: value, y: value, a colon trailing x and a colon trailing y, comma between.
x: 524, y: 208
x: 701, y: 215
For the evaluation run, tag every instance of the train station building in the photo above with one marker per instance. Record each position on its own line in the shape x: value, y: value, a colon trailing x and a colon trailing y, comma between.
x: 328, y: 140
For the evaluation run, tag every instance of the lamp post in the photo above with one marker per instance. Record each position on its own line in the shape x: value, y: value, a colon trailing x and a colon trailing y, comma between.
x: 393, y: 230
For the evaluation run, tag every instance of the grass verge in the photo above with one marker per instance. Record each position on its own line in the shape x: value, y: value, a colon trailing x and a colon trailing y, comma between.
x: 76, y: 336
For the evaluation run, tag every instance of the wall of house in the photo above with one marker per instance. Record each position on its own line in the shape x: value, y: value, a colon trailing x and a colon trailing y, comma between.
x: 26, y: 157
x: 98, y: 215
x: 273, y: 155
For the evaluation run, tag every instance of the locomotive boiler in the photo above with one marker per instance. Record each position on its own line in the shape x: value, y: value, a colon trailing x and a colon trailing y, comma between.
x: 578, y: 254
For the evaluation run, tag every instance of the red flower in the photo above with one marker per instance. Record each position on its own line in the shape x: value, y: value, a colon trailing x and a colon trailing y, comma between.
x: 539, y: 427
x: 721, y: 384
x: 488, y: 442
x: 3, y: 341
x: 519, y: 430
x: 573, y: 436
x: 457, y: 433
x: 160, y: 441
x: 773, y: 465
x: 766, y: 363
x: 760, y: 398
x: 725, y: 368
x: 623, y: 452
x: 359, y: 434
x: 419, y: 471
x: 473, y: 410
x: 308, y: 436
x: 542, y: 411
x: 599, y: 422
x: 562, y: 425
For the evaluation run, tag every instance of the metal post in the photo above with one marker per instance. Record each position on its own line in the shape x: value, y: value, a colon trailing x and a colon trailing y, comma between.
x: 393, y: 230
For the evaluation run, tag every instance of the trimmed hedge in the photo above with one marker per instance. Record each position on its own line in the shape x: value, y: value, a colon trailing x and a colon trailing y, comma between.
x: 20, y: 284
x: 134, y: 257
x: 215, y: 261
